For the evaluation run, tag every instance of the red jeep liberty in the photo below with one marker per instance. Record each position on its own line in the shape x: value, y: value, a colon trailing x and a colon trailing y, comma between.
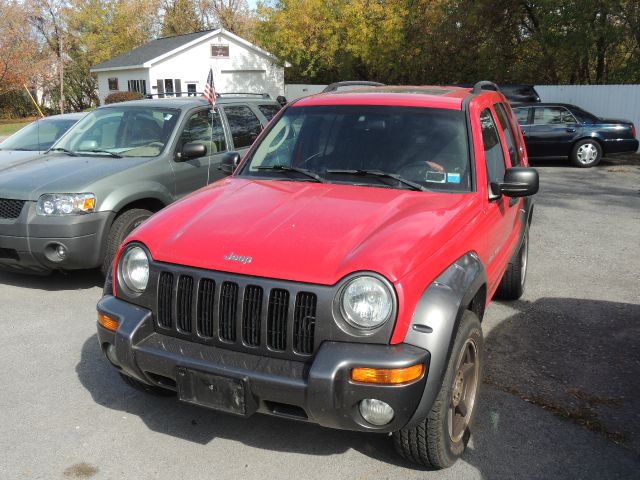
x: 340, y: 275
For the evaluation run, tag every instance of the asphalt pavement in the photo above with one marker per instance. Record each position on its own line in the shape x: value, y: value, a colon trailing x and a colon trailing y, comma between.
x: 560, y: 400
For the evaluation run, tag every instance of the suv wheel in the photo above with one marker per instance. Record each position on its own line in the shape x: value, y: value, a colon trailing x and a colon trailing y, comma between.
x: 586, y: 153
x: 440, y: 438
x: 122, y: 226
x: 513, y: 280
x: 143, y: 387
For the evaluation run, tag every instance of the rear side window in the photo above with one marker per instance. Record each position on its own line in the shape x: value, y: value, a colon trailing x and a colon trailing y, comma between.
x: 552, y: 116
x: 522, y: 114
x: 509, y: 135
x: 493, y: 154
x: 269, y: 111
x: 245, y: 126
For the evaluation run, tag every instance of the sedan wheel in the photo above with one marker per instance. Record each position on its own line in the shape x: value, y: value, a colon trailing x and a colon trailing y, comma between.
x: 586, y: 153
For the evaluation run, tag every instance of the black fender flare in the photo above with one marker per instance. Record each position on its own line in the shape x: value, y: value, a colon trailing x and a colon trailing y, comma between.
x: 435, y: 321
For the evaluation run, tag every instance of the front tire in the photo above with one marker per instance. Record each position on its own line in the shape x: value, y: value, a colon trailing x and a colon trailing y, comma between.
x: 122, y: 226
x: 586, y: 153
x: 440, y: 438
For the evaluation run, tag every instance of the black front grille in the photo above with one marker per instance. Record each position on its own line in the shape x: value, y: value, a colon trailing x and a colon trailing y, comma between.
x: 10, y: 209
x: 183, y: 305
x: 277, y: 319
x: 244, y: 316
x: 251, y: 314
x: 304, y: 322
x: 165, y: 299
x: 206, y: 307
x: 228, y: 308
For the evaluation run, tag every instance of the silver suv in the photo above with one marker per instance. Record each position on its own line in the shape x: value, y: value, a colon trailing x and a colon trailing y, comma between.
x: 72, y: 207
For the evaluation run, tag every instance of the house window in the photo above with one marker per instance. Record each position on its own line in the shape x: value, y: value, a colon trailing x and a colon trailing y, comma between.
x: 220, y: 50
x: 138, y: 86
x: 168, y: 87
x: 191, y: 89
x: 113, y: 84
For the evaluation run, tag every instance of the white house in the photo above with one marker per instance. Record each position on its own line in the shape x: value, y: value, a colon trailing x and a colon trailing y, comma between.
x: 167, y: 66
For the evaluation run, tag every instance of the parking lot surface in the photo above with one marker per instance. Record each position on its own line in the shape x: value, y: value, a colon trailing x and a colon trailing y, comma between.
x: 560, y: 399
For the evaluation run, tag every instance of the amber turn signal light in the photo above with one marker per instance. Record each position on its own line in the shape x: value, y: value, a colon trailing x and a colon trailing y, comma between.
x: 391, y: 376
x: 108, y: 322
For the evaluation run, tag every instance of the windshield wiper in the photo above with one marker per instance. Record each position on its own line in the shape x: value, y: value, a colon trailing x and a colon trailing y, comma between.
x: 381, y: 174
x: 113, y: 154
x: 287, y: 168
x: 61, y: 149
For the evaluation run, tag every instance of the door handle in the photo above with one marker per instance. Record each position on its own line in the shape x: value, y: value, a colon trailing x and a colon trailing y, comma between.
x: 571, y: 130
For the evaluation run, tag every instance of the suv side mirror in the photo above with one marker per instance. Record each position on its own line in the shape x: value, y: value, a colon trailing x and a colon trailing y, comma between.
x: 230, y: 161
x: 191, y: 150
x: 518, y: 182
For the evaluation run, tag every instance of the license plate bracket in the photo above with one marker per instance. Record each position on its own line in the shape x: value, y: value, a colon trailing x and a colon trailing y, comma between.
x: 218, y: 392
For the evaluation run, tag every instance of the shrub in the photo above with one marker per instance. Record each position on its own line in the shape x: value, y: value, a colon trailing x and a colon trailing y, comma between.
x: 116, y: 97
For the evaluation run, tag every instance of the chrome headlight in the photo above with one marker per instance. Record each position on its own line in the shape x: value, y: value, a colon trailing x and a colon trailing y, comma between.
x: 134, y: 269
x: 366, y: 302
x: 51, y: 204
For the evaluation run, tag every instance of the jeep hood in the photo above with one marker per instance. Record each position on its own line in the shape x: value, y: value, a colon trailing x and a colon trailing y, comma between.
x: 305, y: 232
x: 11, y: 158
x: 57, y: 173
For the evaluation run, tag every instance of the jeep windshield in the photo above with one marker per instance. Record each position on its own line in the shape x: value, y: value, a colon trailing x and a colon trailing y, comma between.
x: 382, y: 146
x: 120, y: 131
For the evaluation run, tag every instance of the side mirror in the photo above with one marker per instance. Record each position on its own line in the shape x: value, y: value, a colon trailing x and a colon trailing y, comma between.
x: 518, y: 182
x: 191, y: 150
x: 230, y: 161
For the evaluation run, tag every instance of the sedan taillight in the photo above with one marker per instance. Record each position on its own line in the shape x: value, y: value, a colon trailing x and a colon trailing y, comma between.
x: 633, y: 131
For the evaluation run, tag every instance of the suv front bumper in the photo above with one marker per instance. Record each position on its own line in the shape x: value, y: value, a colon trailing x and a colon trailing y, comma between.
x: 320, y: 391
x: 28, y: 243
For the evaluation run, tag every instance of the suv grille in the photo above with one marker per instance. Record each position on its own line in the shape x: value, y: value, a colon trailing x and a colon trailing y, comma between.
x: 10, y: 209
x: 247, y: 316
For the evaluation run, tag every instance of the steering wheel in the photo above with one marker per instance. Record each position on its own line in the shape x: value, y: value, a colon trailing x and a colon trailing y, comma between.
x: 285, y: 135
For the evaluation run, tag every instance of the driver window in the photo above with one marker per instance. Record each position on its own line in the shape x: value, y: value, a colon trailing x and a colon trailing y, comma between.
x: 494, y: 156
x: 206, y: 128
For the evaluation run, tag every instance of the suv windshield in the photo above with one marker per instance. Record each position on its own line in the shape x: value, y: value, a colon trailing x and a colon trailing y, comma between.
x: 39, y: 135
x: 383, y: 146
x: 121, y: 132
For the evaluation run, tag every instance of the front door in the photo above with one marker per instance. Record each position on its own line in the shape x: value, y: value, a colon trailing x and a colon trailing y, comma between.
x: 553, y: 131
x: 206, y: 128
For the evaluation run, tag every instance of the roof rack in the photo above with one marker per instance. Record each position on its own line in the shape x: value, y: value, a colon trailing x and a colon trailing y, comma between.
x: 244, y: 94
x: 200, y: 94
x: 173, y: 94
x: 335, y: 86
x: 485, y: 85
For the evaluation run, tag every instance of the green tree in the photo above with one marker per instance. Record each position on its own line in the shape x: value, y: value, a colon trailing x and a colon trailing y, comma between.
x: 180, y: 17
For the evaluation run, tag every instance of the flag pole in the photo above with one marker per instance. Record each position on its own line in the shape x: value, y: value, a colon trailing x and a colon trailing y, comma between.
x: 33, y: 100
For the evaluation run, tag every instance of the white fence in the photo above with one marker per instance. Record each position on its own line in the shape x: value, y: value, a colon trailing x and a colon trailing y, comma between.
x: 293, y: 90
x: 607, y: 101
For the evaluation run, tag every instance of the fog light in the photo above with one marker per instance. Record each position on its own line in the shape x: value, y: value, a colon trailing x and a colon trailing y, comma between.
x: 376, y: 412
x: 111, y: 354
x: 61, y: 252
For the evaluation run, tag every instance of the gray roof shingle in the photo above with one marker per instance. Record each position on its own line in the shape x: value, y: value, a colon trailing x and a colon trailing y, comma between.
x: 150, y: 50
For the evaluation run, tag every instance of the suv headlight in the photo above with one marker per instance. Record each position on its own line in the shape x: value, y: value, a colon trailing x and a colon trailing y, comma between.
x: 134, y: 269
x: 366, y: 302
x: 51, y: 204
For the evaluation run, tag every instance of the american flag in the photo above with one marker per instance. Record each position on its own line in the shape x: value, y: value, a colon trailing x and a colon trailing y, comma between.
x: 209, y: 90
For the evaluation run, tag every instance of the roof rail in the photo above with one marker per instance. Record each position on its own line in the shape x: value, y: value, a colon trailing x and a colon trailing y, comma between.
x: 485, y: 85
x: 200, y: 94
x: 246, y: 94
x: 334, y: 86
x: 173, y: 94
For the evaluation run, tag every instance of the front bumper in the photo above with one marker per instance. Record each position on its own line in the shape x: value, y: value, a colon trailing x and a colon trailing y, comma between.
x: 320, y: 391
x: 28, y: 243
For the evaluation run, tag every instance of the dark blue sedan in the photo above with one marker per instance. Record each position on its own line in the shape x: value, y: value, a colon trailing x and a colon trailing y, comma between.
x: 562, y: 130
